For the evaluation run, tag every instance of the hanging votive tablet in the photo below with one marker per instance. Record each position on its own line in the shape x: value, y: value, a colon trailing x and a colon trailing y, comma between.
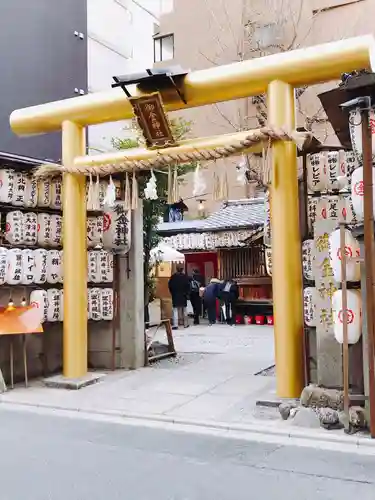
x: 56, y: 193
x: 3, y: 264
x: 30, y: 228
x: 14, y: 267
x: 6, y: 185
x: 40, y: 274
x: 39, y: 299
x: 28, y: 267
x: 44, y: 230
x: 53, y: 267
x: 13, y: 228
x: 107, y: 304
x: 44, y: 193
x: 54, y: 305
x: 94, y: 300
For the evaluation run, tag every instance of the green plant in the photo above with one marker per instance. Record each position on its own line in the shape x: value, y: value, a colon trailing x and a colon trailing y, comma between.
x: 153, y: 210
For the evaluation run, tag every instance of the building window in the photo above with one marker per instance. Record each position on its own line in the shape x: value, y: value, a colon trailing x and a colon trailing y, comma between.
x: 163, y: 48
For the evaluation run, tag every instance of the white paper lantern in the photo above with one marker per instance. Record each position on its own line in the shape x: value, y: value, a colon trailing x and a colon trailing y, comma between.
x: 268, y: 256
x: 105, y: 261
x: 312, y: 206
x: 44, y: 193
x: 335, y: 169
x: 310, y: 296
x: 61, y: 305
x: 267, y: 220
x: 56, y: 193
x: 93, y: 272
x: 3, y: 264
x: 54, y: 305
x: 321, y: 208
x: 39, y: 299
x: 30, y: 228
x: 333, y: 208
x: 55, y: 238
x: 44, y: 229
x: 316, y: 172
x: 352, y: 252
x: 61, y: 253
x: 20, y: 189
x: 308, y: 259
x: 93, y: 239
x: 53, y: 266
x: 106, y: 300
x: 14, y: 227
x: 28, y: 267
x: 117, y: 228
x: 346, y: 212
x: 14, y: 266
x: 103, y: 186
x: 94, y: 304
x: 31, y: 197
x: 40, y: 274
x: 355, y: 129
x: 351, y: 164
x: 357, y: 187
x: 353, y: 315
x: 6, y: 185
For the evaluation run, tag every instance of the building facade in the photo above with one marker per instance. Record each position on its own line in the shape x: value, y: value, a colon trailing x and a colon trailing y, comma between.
x: 200, y: 34
x: 52, y: 50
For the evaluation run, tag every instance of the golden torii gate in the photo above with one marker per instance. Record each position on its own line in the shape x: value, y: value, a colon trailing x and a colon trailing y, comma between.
x: 278, y: 75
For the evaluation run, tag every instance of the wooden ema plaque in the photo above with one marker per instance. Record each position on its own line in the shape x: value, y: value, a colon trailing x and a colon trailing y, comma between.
x: 152, y: 120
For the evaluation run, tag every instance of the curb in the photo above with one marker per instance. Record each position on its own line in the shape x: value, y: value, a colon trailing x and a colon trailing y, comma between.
x: 257, y: 429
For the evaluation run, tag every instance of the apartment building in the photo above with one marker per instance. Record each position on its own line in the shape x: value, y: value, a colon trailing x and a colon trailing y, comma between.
x: 57, y: 49
x: 199, y: 34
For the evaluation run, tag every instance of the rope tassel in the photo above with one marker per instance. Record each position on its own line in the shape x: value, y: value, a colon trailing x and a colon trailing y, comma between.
x: 134, y: 204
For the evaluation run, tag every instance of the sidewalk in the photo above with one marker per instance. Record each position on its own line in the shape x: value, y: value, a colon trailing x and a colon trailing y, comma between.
x: 213, y: 383
x: 212, y: 378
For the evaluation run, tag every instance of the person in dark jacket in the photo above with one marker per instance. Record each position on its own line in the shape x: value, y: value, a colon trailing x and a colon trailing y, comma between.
x: 179, y: 288
x: 196, y: 282
x: 210, y: 296
x: 229, y: 294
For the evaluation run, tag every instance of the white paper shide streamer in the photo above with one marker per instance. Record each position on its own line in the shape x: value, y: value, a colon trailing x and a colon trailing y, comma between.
x: 200, y: 186
x: 151, y: 192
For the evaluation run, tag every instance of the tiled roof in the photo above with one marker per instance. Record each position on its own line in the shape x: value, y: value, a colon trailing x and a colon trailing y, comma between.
x: 233, y: 215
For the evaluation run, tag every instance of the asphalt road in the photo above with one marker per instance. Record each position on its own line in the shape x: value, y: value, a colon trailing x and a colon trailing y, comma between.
x: 46, y: 457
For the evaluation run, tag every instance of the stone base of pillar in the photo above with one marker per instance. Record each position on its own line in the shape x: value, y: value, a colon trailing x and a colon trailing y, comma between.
x: 61, y: 382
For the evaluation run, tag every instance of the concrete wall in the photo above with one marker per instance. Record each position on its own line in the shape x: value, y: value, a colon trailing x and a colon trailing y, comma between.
x: 41, y: 61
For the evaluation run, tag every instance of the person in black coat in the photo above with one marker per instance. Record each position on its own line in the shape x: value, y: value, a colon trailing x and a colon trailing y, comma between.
x: 229, y: 294
x: 210, y: 296
x: 179, y: 288
x: 196, y: 282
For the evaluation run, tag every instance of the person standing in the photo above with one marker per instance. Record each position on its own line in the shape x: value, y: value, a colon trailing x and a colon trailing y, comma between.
x: 229, y: 295
x: 196, y: 283
x: 179, y: 288
x: 210, y: 296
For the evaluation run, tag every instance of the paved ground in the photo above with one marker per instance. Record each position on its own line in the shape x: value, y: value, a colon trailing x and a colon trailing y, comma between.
x: 56, y: 458
x: 213, y: 379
